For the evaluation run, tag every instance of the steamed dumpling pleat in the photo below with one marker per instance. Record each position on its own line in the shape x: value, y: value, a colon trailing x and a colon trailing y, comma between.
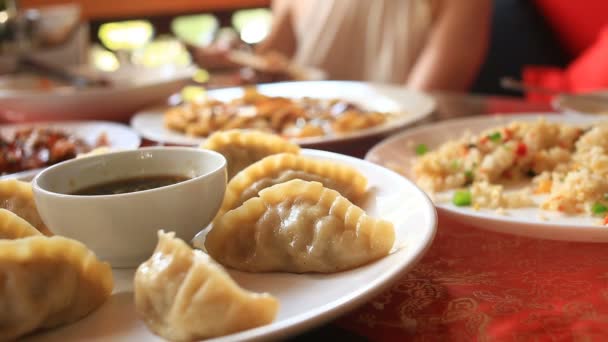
x: 283, y: 167
x: 183, y: 295
x: 14, y: 227
x: 242, y: 148
x: 298, y: 226
x: 18, y: 197
x: 48, y: 282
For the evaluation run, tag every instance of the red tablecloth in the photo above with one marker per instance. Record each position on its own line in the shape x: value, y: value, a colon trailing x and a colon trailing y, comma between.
x: 476, y: 285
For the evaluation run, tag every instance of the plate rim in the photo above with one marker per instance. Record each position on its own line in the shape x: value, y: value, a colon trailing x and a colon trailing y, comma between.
x: 499, y: 118
x: 429, y: 104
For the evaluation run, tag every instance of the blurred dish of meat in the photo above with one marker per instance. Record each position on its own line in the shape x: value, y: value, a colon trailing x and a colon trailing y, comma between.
x: 290, y: 118
x: 30, y: 147
x: 33, y: 148
x: 309, y: 113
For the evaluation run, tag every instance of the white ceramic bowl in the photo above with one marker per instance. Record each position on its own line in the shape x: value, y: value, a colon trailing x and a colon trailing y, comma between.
x: 121, y: 229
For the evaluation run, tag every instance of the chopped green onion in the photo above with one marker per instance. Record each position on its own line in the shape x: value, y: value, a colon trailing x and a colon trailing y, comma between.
x: 598, y: 208
x: 462, y: 198
x: 455, y: 164
x: 421, y: 149
x: 495, y: 137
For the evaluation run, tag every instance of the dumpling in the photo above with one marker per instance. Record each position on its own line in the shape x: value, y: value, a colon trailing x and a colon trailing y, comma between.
x: 48, y: 282
x: 243, y: 148
x: 183, y: 295
x: 283, y: 167
x: 14, y: 227
x: 298, y: 226
x: 18, y: 197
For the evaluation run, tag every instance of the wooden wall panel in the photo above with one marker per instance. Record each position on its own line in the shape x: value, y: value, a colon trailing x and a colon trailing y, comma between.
x: 116, y: 9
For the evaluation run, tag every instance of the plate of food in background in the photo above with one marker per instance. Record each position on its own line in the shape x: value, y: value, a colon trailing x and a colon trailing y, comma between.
x: 537, y: 175
x: 46, y: 93
x: 308, y: 113
x: 27, y: 148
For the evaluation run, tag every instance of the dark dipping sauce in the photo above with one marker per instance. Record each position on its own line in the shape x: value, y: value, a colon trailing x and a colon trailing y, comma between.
x: 123, y: 186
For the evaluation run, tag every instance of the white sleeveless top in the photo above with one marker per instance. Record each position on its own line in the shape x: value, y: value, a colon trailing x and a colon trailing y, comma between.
x: 370, y: 40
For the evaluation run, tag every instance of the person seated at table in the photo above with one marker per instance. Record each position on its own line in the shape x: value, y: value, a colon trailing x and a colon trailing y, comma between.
x: 582, y: 30
x: 424, y: 44
x: 556, y: 44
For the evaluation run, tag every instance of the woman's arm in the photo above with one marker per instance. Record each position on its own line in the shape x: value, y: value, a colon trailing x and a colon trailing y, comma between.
x: 456, y: 47
x: 281, y: 37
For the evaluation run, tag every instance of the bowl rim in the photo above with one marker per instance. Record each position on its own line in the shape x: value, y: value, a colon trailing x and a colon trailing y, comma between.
x: 36, y: 187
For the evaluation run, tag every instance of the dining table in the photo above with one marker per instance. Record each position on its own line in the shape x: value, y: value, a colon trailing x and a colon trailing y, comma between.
x: 477, y: 285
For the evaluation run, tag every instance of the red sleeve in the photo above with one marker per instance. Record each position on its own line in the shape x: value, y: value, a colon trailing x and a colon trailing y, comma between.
x: 590, y: 70
x: 587, y: 72
x: 576, y: 23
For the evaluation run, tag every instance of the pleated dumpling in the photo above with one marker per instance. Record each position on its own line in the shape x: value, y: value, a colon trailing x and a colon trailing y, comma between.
x: 298, y: 226
x: 242, y: 148
x: 283, y: 167
x: 48, y: 282
x: 14, y: 227
x: 18, y: 197
x: 183, y: 295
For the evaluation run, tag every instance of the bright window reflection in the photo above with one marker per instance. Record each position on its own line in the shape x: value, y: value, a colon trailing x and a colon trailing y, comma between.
x: 193, y: 94
x: 126, y: 35
x: 252, y: 25
x: 201, y: 76
x: 103, y: 59
x: 162, y: 51
x: 195, y: 29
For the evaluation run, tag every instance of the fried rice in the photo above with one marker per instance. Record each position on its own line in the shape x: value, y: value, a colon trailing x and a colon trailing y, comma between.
x: 566, y: 164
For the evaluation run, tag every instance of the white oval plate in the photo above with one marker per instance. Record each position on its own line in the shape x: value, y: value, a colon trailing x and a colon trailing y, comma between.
x: 119, y: 137
x: 410, y: 107
x: 398, y: 153
x: 307, y: 300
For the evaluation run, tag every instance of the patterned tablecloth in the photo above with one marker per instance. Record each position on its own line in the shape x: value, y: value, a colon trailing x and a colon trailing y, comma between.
x: 479, y: 285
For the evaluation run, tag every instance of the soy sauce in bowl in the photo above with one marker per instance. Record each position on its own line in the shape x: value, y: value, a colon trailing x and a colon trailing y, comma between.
x: 127, y: 185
